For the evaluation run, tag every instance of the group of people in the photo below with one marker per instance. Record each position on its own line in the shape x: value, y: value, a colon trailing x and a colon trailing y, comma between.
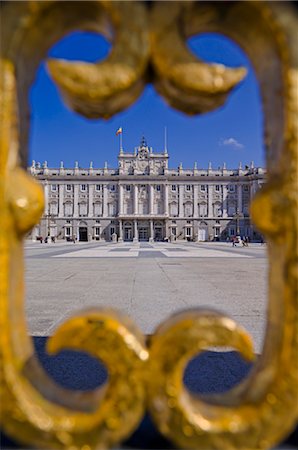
x: 238, y: 240
x: 46, y: 240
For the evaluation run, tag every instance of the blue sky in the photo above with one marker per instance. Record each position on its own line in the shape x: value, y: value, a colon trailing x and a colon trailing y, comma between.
x: 230, y: 134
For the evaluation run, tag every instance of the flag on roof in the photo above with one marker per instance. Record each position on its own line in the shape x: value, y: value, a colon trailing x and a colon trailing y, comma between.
x: 119, y: 131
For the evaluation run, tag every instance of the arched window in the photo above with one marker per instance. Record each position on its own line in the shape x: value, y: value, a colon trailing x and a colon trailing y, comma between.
x: 83, y: 209
x: 128, y: 207
x: 203, y: 209
x: 68, y: 209
x: 231, y: 209
x: 174, y: 209
x: 54, y: 208
x: 158, y: 207
x: 97, y: 209
x: 188, y: 209
x: 217, y: 212
x: 112, y: 209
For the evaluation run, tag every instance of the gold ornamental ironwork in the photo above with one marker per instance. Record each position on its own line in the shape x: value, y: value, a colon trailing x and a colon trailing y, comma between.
x: 149, y: 45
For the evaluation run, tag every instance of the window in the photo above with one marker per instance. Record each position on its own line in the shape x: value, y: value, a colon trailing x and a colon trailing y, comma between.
x: 67, y: 231
x: 158, y: 187
x: 54, y: 208
x: 188, y: 221
x: 174, y: 210
x: 232, y: 231
x: 83, y: 187
x: 231, y: 211
x: 97, y: 221
x: 188, y: 231
x: 68, y: 221
x: 127, y: 207
x: 112, y: 230
x: 112, y: 187
x: 54, y: 187
x: 82, y: 209
x: 188, y: 187
x: 232, y: 188
x: 174, y: 221
x: 97, y: 209
x: 112, y: 209
x: 203, y: 187
x: 245, y: 188
x: 217, y: 209
x: 202, y: 209
x: 188, y: 209
x: 217, y: 187
x: 174, y: 187
x: 159, y: 208
x: 97, y: 231
x: 128, y: 187
x: 68, y: 209
x: 68, y: 187
x: 97, y: 187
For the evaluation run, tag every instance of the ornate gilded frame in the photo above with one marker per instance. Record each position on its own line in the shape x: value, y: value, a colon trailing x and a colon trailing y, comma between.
x: 149, y: 45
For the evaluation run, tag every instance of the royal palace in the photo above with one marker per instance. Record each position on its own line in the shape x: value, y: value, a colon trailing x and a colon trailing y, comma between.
x: 144, y: 200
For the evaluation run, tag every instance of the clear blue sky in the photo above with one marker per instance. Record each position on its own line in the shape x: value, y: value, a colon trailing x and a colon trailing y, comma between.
x: 230, y: 134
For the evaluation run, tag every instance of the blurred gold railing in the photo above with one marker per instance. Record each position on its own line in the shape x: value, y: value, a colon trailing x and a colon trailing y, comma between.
x: 263, y: 408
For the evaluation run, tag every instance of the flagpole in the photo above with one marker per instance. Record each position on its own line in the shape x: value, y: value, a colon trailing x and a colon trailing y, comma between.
x: 121, y: 149
x: 165, y: 146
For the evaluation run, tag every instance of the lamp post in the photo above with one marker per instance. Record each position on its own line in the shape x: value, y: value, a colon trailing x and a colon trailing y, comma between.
x: 237, y: 217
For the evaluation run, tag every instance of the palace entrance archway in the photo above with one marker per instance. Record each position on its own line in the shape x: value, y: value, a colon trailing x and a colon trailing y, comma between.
x: 83, y: 234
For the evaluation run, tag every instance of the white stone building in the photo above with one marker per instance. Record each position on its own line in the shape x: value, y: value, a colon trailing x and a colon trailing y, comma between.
x: 144, y: 200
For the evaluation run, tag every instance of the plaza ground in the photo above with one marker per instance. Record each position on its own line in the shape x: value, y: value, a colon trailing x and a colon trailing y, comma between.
x: 146, y: 281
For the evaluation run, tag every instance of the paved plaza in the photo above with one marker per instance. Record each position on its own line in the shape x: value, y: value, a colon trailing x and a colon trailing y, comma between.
x: 146, y: 281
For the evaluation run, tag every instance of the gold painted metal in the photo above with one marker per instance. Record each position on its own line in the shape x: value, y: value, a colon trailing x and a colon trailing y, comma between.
x: 260, y: 411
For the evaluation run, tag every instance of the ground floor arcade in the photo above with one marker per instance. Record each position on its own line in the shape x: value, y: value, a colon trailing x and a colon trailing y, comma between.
x: 131, y: 229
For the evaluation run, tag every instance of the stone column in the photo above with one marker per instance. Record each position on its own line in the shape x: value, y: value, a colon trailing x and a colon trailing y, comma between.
x: 90, y: 203
x: 120, y: 199
x: 239, y: 198
x: 166, y: 199
x: 120, y: 239
x: 224, y: 201
x: 151, y: 199
x: 136, y: 199
x: 105, y: 201
x: 180, y: 188
x: 76, y: 200
x: 151, y: 238
x: 135, y: 231
x: 210, y: 212
x: 61, y: 200
x: 195, y: 201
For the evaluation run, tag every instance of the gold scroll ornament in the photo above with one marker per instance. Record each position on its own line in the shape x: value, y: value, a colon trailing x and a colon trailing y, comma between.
x: 263, y: 408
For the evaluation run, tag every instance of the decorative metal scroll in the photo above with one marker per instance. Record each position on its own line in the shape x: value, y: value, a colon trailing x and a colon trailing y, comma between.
x: 149, y: 44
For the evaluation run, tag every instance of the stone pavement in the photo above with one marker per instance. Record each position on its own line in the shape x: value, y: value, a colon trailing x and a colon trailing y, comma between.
x: 146, y: 281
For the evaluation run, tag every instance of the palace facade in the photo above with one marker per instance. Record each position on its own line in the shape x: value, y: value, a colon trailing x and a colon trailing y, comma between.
x: 144, y: 200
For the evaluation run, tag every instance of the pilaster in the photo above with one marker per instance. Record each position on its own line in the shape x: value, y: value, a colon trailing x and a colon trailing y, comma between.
x: 135, y: 198
x: 76, y: 200
x: 151, y: 199
x: 61, y: 200
x: 180, y: 190
x: 120, y: 199
x: 166, y: 199
x: 195, y: 200
x: 210, y: 200
x: 239, y: 198
x: 90, y: 200
x: 105, y: 201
